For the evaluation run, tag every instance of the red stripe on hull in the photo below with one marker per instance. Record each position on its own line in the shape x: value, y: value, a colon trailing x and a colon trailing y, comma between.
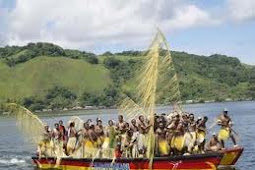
x: 181, y: 162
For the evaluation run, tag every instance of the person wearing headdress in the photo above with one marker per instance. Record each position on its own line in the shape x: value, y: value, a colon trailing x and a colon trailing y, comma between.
x: 226, y: 130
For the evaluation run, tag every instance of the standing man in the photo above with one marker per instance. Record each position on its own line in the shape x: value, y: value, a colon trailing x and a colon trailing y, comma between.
x: 71, y: 135
x: 226, y: 128
x: 142, y: 137
x: 121, y: 125
x: 192, y: 135
x: 201, y: 134
x: 121, y: 129
x: 56, y: 133
x: 44, y: 148
x: 62, y: 130
x: 99, y: 130
x: 162, y: 147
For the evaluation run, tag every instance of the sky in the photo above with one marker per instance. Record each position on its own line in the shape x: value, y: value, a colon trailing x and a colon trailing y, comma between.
x: 203, y: 27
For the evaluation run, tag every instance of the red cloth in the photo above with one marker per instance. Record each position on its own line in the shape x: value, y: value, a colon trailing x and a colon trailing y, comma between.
x: 62, y: 132
x: 118, y: 153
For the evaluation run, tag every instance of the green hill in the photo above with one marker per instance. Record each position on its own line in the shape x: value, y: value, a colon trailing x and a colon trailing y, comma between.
x: 44, y: 75
x: 201, y: 78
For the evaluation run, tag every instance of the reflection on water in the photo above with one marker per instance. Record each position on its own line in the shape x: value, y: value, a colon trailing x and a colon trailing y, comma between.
x: 16, y: 151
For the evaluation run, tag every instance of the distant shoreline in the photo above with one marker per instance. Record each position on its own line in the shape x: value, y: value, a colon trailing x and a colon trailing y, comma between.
x: 92, y: 108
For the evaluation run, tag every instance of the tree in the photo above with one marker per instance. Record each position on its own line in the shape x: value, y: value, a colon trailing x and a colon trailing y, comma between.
x: 10, y: 62
x: 92, y: 59
x: 111, y: 62
x: 107, y: 53
x: 60, y: 97
x: 252, y: 84
x: 33, y: 103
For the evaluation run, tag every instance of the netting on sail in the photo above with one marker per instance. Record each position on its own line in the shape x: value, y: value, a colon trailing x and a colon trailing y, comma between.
x: 130, y: 109
x: 27, y: 122
x: 156, y: 81
x: 78, y: 122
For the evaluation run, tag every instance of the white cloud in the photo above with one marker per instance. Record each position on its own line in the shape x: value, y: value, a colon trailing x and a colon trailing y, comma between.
x: 242, y: 9
x: 84, y: 24
x: 188, y: 16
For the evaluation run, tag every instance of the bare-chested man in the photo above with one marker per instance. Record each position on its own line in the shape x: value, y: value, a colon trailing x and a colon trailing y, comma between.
x: 143, y: 125
x: 142, y: 141
x: 47, y: 133
x: 162, y: 146
x: 185, y: 122
x: 99, y: 130
x: 44, y: 148
x: 56, y: 133
x: 121, y: 125
x: 214, y: 144
x: 171, y: 129
x: 134, y: 139
x: 85, y: 132
x: 126, y: 147
x: 121, y: 130
x: 201, y: 134
x: 226, y: 128
x: 191, y: 135
x: 177, y: 142
x: 85, y: 141
x: 71, y: 135
x: 192, y: 123
x: 93, y: 135
x: 134, y: 126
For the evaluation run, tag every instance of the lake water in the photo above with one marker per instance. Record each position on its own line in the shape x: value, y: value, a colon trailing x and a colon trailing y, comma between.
x: 16, y: 152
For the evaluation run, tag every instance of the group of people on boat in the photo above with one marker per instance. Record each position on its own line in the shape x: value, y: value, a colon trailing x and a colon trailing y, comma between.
x: 173, y: 134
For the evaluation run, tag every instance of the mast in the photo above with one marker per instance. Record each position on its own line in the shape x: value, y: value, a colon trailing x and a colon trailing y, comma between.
x: 156, y: 77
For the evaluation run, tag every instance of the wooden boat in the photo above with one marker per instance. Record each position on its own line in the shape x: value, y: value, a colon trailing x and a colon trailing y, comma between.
x: 189, y: 162
x: 230, y: 156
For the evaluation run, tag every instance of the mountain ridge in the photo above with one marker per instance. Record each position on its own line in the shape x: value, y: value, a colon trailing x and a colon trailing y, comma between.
x: 29, y: 73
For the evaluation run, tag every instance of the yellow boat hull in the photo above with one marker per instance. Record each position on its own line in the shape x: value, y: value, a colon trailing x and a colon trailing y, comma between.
x: 230, y: 156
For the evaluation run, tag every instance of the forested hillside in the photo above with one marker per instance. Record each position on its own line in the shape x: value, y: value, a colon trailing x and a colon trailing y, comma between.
x: 46, y: 76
